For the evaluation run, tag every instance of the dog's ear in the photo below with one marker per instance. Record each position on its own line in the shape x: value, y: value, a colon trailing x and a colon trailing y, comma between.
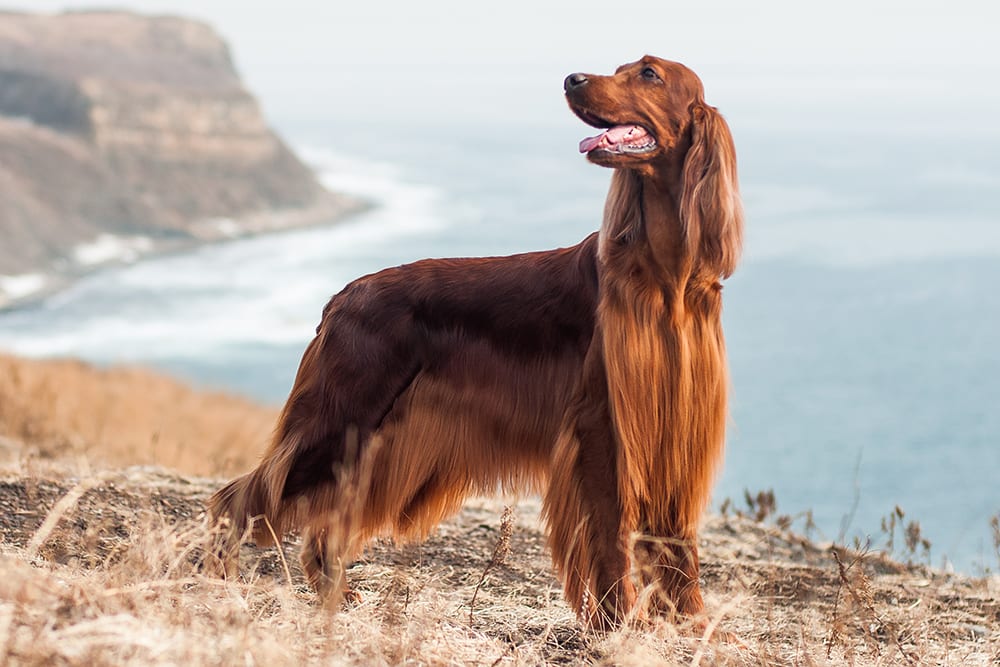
x: 711, y: 210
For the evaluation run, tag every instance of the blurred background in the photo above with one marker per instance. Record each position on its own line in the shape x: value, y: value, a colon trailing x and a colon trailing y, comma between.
x: 862, y: 325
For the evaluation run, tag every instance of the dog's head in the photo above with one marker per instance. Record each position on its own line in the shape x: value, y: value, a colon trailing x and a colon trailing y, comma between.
x: 656, y: 122
x: 646, y: 109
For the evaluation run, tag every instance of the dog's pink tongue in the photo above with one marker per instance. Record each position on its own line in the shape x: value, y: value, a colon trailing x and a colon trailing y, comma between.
x: 590, y: 143
x: 608, y: 138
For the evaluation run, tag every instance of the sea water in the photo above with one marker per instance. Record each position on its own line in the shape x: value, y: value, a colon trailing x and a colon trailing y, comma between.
x: 862, y: 325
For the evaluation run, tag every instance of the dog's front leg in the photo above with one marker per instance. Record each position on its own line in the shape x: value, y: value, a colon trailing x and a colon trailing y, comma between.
x: 668, y: 564
x: 588, y: 531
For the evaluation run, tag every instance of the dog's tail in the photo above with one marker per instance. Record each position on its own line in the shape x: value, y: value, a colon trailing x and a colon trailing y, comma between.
x: 258, y: 500
x: 249, y: 506
x: 255, y: 501
x: 240, y: 502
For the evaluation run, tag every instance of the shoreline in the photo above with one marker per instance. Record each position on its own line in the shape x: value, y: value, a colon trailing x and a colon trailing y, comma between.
x: 114, y: 251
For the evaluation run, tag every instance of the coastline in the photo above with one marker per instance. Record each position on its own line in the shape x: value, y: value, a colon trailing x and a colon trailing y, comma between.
x: 109, y: 251
x: 127, y: 135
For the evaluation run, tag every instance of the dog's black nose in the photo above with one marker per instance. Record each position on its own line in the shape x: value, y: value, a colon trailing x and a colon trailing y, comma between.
x: 574, y: 81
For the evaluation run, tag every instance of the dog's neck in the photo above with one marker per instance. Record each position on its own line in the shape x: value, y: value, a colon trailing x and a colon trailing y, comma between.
x: 642, y: 232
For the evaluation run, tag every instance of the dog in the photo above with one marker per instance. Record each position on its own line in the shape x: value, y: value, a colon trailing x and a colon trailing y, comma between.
x: 594, y: 375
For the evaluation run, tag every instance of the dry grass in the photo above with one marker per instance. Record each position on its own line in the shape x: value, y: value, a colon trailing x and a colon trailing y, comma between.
x: 101, y: 566
x: 61, y: 409
x: 112, y: 577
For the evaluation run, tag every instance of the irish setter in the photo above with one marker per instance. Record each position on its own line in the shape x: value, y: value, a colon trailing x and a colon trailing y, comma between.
x: 594, y: 374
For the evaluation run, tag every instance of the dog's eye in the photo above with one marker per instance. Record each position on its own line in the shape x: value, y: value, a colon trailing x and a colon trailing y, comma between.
x: 649, y: 74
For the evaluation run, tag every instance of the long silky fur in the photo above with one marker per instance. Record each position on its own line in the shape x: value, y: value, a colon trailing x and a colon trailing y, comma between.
x: 594, y: 374
x: 663, y: 345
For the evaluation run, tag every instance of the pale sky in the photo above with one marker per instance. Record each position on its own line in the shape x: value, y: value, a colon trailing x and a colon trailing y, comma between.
x: 439, y: 56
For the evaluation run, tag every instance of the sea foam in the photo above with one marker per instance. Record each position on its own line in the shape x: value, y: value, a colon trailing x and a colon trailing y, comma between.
x: 266, y: 290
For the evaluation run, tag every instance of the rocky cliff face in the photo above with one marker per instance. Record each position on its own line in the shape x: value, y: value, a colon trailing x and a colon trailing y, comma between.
x: 115, y: 123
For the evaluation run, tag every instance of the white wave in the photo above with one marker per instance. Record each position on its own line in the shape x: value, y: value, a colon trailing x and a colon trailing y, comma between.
x: 402, y: 205
x: 111, y: 248
x: 127, y: 338
x: 20, y: 286
x: 369, y: 179
x: 264, y: 290
x: 223, y: 227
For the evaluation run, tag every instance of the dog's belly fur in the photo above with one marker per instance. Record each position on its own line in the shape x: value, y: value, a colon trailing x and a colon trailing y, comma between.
x: 491, y: 431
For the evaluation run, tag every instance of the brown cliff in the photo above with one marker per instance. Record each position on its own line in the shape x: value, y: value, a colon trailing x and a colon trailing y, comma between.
x: 116, y: 123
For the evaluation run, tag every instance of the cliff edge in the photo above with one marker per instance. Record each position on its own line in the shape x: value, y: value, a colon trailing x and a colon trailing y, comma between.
x: 135, y: 128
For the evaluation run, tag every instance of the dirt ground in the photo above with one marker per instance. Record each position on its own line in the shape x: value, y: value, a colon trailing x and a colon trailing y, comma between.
x: 102, y: 569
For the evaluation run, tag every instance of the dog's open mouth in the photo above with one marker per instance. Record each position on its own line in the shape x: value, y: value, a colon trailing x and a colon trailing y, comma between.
x: 620, y: 139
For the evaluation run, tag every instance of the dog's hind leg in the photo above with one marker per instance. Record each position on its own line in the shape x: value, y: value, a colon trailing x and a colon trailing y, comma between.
x: 318, y: 567
x: 327, y: 551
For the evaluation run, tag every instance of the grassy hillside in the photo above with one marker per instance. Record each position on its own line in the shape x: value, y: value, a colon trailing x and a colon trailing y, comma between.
x: 100, y: 563
x: 65, y: 409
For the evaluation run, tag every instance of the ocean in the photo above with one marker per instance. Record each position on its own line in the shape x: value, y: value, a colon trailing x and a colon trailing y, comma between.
x: 862, y: 325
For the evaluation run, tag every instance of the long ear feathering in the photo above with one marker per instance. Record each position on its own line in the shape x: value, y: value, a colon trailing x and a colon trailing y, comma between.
x: 711, y: 210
